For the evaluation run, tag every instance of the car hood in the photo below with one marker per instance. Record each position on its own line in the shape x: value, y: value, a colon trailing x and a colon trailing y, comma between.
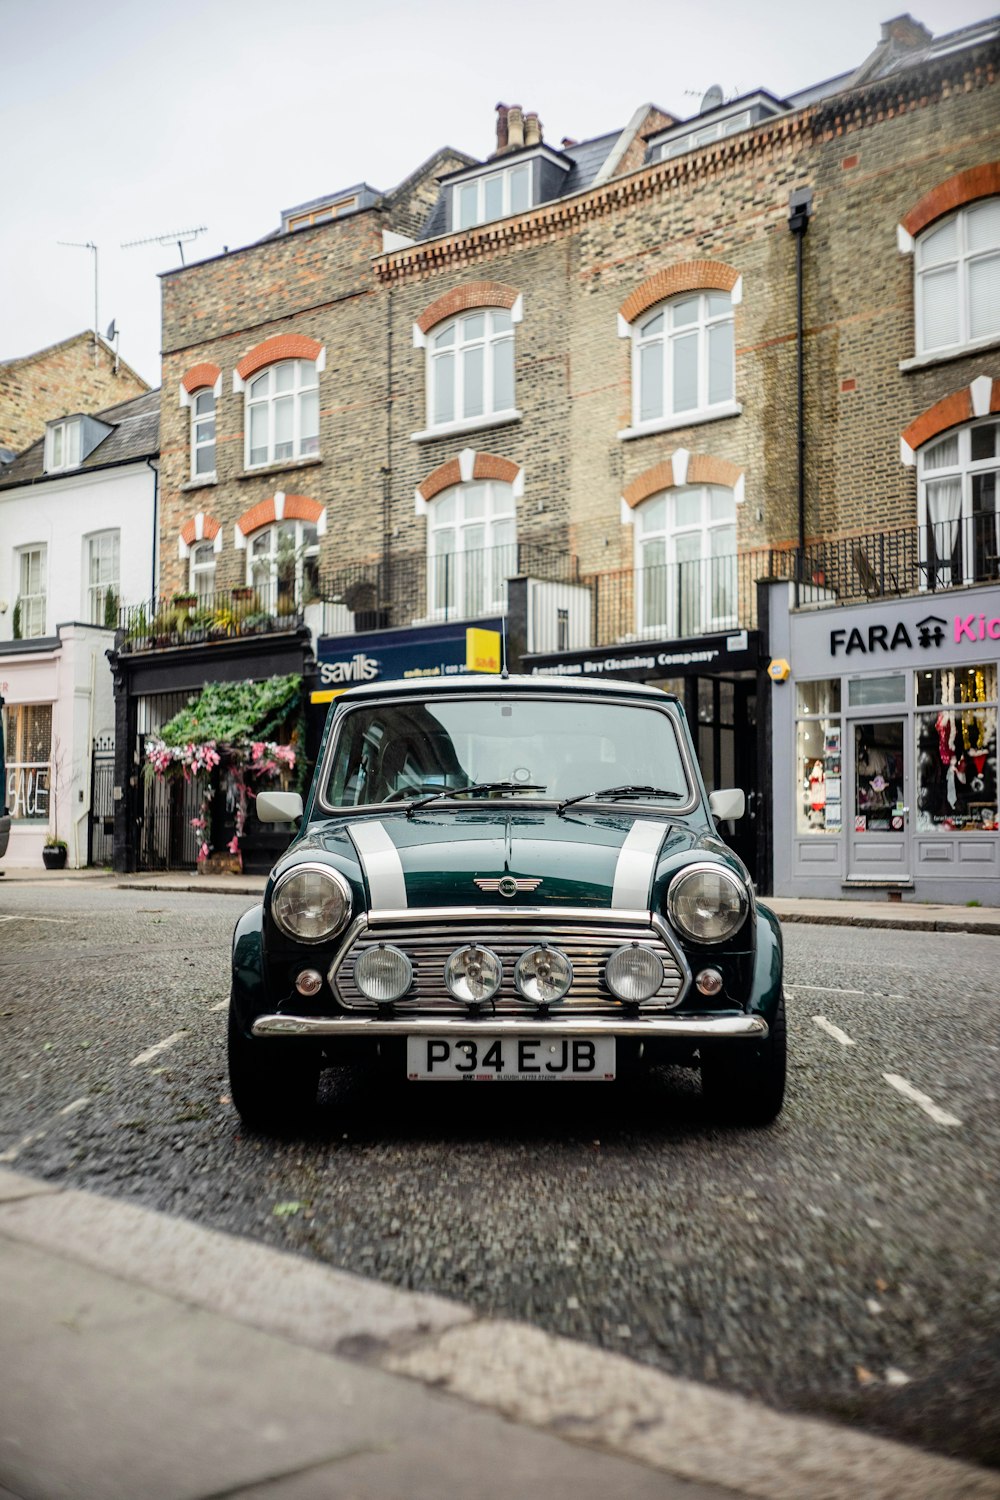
x: 600, y: 859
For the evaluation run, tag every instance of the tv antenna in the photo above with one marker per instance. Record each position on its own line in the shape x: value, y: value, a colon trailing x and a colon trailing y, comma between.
x: 87, y: 245
x: 178, y: 237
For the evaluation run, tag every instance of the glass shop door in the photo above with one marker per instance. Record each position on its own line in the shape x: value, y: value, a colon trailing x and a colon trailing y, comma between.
x: 878, y: 826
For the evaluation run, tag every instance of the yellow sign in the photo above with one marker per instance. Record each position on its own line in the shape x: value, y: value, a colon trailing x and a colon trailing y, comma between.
x: 778, y: 670
x: 482, y: 650
x: 326, y: 695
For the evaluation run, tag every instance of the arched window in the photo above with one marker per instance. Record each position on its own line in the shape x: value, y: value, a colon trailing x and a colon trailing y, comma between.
x: 470, y: 368
x: 959, y: 511
x: 471, y: 549
x: 682, y: 357
x: 203, y: 434
x: 202, y: 569
x: 957, y: 267
x: 685, y: 561
x: 283, y: 564
x: 282, y: 413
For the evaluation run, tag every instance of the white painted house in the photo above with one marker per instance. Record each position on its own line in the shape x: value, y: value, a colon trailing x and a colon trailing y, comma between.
x: 78, y: 530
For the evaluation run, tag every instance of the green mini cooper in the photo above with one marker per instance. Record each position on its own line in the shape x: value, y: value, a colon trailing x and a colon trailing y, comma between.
x: 506, y: 879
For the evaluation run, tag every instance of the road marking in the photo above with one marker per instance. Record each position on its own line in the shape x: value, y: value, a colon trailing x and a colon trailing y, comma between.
x: 157, y: 1048
x: 17, y: 917
x: 823, y: 989
x: 221, y: 1005
x: 938, y: 1115
x: 26, y: 1140
x: 77, y: 1104
x: 834, y: 1031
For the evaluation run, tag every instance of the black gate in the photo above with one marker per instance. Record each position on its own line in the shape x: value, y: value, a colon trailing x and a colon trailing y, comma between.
x: 167, y: 840
x: 101, y: 829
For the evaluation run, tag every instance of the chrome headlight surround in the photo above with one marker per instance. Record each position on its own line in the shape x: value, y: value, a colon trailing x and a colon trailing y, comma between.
x: 473, y: 974
x: 331, y: 908
x: 707, y: 903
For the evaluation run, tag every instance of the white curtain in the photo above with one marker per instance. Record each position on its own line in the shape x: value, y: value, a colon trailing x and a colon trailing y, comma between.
x: 944, y: 511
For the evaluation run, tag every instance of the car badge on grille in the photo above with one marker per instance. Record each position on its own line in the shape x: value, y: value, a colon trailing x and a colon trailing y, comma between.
x: 507, y: 885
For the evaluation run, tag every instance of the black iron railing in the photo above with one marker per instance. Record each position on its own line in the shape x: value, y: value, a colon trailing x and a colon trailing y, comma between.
x: 192, y: 619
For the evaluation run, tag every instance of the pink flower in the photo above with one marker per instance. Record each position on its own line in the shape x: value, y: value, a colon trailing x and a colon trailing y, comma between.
x: 203, y: 852
x: 234, y: 845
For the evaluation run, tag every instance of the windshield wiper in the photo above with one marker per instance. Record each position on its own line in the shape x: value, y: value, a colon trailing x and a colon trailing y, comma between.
x: 612, y: 792
x: 472, y: 788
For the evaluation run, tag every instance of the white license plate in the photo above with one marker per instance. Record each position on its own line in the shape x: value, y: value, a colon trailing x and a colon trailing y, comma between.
x: 523, y: 1059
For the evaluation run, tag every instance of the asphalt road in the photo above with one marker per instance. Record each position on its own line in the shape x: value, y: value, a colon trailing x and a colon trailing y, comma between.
x: 843, y: 1262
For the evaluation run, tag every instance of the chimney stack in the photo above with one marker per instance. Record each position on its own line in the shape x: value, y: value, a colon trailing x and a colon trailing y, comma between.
x: 502, y: 112
x: 532, y: 130
x: 515, y: 128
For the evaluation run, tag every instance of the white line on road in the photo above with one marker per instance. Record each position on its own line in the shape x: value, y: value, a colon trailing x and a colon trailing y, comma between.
x: 157, y: 1048
x: 938, y: 1115
x: 76, y: 1106
x: 221, y: 1005
x: 823, y: 989
x: 834, y: 1031
x: 17, y: 917
x: 26, y: 1140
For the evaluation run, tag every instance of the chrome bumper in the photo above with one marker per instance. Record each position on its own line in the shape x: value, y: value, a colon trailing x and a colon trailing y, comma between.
x: 716, y: 1028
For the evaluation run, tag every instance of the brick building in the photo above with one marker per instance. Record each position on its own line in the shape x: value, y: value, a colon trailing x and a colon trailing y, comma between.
x: 81, y: 374
x: 640, y: 372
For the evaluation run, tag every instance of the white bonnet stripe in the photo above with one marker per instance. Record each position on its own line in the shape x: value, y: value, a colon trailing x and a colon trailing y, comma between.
x: 382, y: 865
x: 636, y: 865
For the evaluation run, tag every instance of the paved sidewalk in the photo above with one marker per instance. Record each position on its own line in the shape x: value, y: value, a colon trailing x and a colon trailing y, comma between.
x: 915, y: 915
x: 142, y: 1356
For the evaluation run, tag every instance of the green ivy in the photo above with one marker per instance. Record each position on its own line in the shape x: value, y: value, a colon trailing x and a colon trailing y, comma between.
x: 231, y: 712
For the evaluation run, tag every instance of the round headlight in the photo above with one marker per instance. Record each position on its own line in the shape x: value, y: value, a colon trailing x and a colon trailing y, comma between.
x: 311, y: 903
x: 707, y: 903
x: 543, y: 975
x: 473, y: 974
x: 634, y: 973
x: 383, y: 974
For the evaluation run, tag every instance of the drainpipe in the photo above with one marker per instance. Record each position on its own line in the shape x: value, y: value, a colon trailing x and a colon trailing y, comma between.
x: 384, y: 604
x: 156, y: 489
x: 799, y: 211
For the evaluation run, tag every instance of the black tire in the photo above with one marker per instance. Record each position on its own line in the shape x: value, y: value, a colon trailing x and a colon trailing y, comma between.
x: 272, y: 1082
x: 745, y: 1085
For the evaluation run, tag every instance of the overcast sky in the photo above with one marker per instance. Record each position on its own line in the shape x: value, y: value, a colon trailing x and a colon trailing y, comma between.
x: 122, y: 120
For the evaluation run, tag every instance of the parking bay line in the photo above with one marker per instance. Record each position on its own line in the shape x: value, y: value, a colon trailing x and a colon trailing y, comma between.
x: 157, y: 1048
x: 823, y: 989
x: 834, y: 1031
x: 938, y: 1115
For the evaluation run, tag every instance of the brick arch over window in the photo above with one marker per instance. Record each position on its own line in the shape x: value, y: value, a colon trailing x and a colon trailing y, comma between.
x: 688, y: 276
x: 462, y: 298
x: 964, y: 187
x: 460, y: 470
x: 200, y: 528
x: 979, y: 399
x: 701, y: 468
x: 282, y: 346
x: 280, y: 507
x: 199, y: 376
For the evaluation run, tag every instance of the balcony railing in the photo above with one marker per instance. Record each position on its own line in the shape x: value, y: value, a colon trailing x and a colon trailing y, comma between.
x: 193, y: 619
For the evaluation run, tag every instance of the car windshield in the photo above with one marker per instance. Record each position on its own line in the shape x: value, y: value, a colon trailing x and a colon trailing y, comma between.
x: 524, y: 747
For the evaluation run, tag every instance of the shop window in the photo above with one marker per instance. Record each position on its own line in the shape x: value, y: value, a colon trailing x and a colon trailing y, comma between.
x: 203, y: 434
x: 202, y: 569
x: 818, y: 732
x: 471, y: 550
x: 683, y: 358
x: 864, y: 691
x: 685, y: 560
x: 282, y: 413
x: 959, y: 510
x: 28, y: 741
x: 958, y: 279
x: 283, y: 565
x: 470, y: 368
x: 30, y: 605
x: 103, y: 584
x: 957, y: 749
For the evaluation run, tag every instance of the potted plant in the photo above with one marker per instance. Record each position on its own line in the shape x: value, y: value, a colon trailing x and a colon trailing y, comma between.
x: 54, y: 853
x: 185, y: 600
x: 243, y: 593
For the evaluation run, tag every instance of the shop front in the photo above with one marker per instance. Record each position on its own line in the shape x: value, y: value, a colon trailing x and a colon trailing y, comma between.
x: 445, y: 650
x: 885, y: 746
x: 716, y: 679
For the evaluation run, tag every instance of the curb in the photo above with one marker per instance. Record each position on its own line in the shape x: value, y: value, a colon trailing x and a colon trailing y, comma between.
x: 566, y: 1389
x: 988, y: 928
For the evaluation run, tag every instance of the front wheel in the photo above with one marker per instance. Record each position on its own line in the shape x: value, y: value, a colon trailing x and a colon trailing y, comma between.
x: 745, y: 1084
x: 272, y: 1082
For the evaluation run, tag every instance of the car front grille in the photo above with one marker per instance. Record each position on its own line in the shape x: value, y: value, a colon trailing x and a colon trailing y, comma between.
x: 587, y: 938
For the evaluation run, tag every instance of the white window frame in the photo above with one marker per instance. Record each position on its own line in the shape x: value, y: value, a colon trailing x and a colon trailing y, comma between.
x: 730, y: 125
x: 506, y: 177
x: 33, y: 601
x: 497, y: 336
x: 468, y: 580
x: 201, y: 569
x: 262, y: 393
x: 263, y: 547
x: 103, y: 552
x: 202, y: 417
x: 975, y: 544
x: 961, y: 262
x: 700, y: 328
x: 64, y: 445
x: 662, y: 605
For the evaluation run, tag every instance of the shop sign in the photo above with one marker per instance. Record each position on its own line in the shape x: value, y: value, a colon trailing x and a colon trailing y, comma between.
x: 699, y: 654
x: 435, y: 651
x: 914, y: 633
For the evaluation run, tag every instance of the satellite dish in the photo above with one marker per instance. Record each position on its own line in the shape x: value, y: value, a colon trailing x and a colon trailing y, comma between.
x: 112, y: 330
x: 713, y: 98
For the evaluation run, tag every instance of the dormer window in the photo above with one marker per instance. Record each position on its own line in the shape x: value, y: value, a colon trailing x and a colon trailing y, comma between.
x: 323, y: 214
x: 62, y: 444
x: 717, y: 120
x: 493, y: 196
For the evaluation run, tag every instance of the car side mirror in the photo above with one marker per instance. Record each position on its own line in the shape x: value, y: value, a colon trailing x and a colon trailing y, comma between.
x: 725, y: 804
x: 279, y: 807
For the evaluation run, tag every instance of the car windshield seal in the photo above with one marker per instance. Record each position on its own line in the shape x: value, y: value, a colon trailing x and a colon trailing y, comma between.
x: 475, y: 786
x: 614, y: 792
